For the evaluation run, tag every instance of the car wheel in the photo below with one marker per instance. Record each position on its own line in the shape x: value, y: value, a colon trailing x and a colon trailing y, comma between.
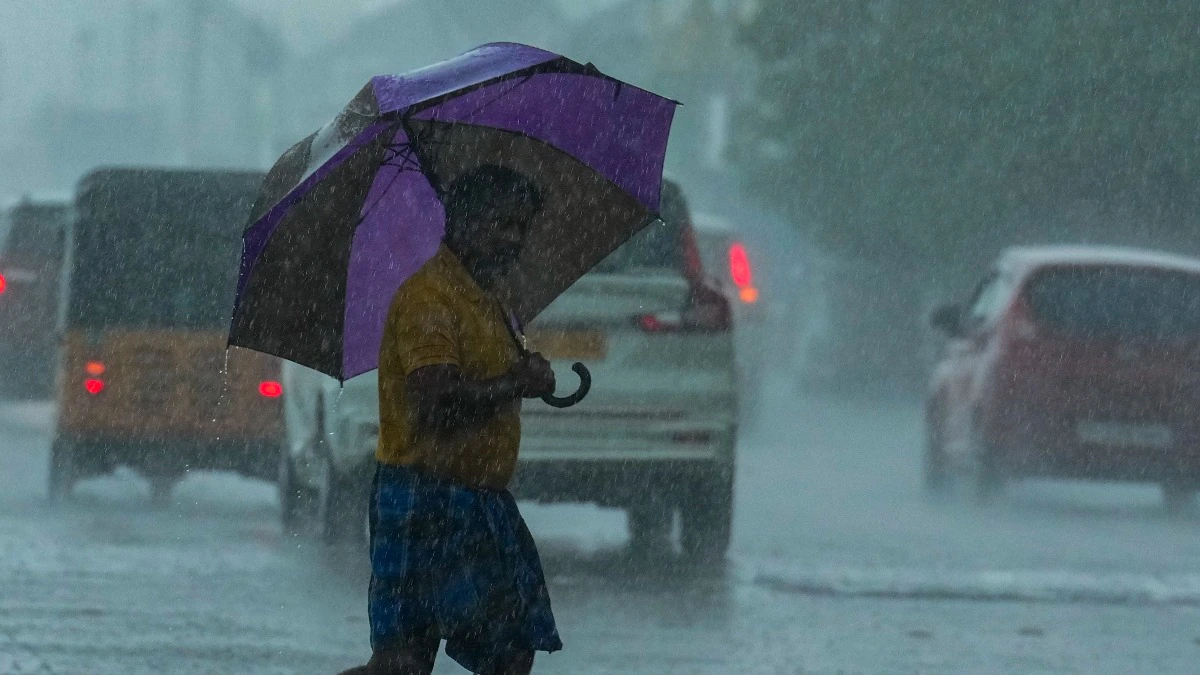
x: 64, y: 471
x: 706, y: 518
x: 935, y: 465
x: 295, y: 500
x: 1178, y: 498
x: 342, y: 506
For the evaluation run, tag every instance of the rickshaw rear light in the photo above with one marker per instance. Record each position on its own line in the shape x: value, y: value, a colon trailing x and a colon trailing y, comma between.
x: 93, y: 385
x: 3, y: 284
x: 95, y: 368
x: 270, y: 389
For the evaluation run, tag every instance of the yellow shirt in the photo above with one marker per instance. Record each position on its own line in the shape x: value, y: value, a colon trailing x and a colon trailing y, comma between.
x: 441, y: 316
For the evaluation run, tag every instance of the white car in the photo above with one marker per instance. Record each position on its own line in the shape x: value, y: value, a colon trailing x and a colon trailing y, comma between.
x: 655, y: 436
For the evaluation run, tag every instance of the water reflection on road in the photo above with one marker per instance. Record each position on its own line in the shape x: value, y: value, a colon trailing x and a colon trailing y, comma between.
x: 839, y: 565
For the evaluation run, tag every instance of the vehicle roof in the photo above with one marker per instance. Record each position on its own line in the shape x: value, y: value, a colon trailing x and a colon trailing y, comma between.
x: 1031, y: 258
x: 178, y: 195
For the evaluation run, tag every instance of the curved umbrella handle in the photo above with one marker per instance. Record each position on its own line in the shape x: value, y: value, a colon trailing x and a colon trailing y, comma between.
x: 585, y: 385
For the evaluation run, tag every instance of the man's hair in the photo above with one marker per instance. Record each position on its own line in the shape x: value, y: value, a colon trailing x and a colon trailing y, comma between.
x: 475, y: 194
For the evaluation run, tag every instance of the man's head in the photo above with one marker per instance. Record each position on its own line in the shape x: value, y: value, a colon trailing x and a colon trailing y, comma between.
x: 488, y: 211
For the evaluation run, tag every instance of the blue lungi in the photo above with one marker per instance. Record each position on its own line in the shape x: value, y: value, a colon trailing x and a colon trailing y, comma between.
x: 454, y: 563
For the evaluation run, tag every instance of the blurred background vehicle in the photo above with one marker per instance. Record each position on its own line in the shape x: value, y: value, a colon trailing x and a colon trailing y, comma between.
x: 655, y: 436
x: 1071, y: 363
x: 145, y: 379
x: 30, y: 264
x: 729, y: 266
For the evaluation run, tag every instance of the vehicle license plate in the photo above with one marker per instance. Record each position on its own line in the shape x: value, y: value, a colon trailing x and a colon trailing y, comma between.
x: 583, y: 345
x: 1125, y: 434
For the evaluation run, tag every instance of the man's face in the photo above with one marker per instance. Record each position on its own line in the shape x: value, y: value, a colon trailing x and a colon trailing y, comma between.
x: 496, y: 240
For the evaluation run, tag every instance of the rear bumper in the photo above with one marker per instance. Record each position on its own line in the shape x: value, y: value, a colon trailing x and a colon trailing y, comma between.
x: 614, y: 470
x: 252, y: 457
x: 1043, y: 439
x: 612, y: 483
x: 1105, y: 463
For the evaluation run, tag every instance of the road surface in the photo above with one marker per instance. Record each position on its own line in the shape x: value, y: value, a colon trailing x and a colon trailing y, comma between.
x: 840, y: 565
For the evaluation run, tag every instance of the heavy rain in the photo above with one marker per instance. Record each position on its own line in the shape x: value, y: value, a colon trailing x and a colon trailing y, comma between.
x: 889, y: 360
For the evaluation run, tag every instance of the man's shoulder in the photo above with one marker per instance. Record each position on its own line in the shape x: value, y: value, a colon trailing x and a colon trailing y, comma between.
x: 428, y: 287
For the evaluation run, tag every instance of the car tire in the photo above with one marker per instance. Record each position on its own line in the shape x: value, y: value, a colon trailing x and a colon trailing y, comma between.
x: 63, y: 471
x: 341, y: 506
x: 1177, y: 498
x: 706, y: 518
x: 296, y: 501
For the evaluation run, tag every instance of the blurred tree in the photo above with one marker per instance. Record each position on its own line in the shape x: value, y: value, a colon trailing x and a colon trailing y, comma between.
x: 921, y: 136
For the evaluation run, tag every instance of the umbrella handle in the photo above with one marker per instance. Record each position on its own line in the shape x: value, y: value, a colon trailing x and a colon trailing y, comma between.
x: 585, y: 385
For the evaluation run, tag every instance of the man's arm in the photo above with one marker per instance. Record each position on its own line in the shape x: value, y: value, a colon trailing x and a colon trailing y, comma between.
x: 446, y: 400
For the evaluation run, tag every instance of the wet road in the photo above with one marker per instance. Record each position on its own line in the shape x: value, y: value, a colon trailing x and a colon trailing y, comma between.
x: 839, y: 565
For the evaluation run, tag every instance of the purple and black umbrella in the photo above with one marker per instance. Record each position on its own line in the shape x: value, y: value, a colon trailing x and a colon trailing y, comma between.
x: 347, y: 214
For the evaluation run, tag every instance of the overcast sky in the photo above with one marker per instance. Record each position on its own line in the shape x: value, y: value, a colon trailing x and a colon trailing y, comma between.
x: 306, y: 23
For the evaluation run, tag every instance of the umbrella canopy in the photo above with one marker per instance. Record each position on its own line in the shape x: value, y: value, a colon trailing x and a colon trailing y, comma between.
x: 349, y: 213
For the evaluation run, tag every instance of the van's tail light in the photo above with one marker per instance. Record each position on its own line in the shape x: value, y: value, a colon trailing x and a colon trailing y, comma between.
x: 270, y: 389
x: 3, y: 284
x: 93, y: 383
x: 707, y: 311
x: 742, y: 274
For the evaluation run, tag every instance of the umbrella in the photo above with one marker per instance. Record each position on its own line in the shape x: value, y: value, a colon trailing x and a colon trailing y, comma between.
x: 350, y: 212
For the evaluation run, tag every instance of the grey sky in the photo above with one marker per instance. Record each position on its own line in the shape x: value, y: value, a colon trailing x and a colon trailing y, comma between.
x: 305, y: 23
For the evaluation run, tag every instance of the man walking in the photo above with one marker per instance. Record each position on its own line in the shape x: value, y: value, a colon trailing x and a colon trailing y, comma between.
x: 451, y: 557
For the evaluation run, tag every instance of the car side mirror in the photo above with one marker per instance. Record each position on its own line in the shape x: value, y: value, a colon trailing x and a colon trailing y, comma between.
x: 947, y: 319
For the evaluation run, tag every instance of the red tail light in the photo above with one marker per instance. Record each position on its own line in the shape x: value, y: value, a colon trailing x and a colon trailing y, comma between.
x: 270, y: 389
x: 739, y: 266
x: 93, y: 385
x: 3, y: 284
x: 95, y: 368
x: 742, y: 274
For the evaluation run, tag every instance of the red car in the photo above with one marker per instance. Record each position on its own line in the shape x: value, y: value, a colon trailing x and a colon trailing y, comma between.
x: 1071, y: 362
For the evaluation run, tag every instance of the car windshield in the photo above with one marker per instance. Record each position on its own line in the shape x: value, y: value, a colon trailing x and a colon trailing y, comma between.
x: 1118, y: 302
x: 659, y: 248
x: 655, y: 250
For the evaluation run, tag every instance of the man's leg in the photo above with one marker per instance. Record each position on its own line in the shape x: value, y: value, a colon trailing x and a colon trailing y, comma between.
x: 521, y: 663
x: 416, y: 657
